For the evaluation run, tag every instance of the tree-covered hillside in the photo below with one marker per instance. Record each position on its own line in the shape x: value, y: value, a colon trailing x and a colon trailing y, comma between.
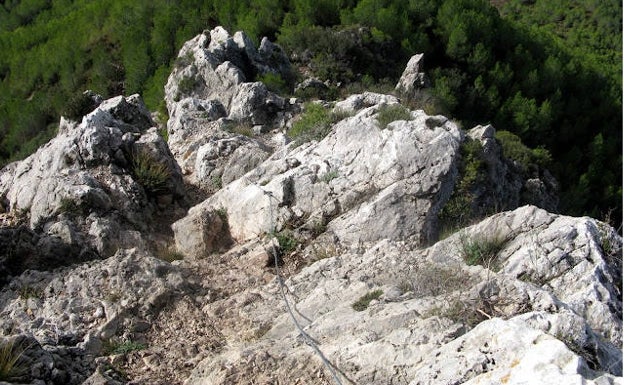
x: 549, y: 71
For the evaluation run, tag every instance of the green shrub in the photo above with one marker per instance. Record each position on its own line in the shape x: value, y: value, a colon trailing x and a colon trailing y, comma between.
x: 315, y: 123
x: 329, y: 176
x: 150, y: 173
x: 169, y: 255
x: 458, y: 210
x: 163, y: 133
x: 184, y: 61
x: 287, y: 241
x: 12, y: 364
x: 240, y: 128
x: 223, y: 215
x: 274, y: 83
x: 70, y: 207
x: 111, y: 347
x: 362, y: 303
x: 482, y: 250
x: 216, y: 182
x: 79, y: 105
x: 186, y: 85
x: 28, y: 291
x: 514, y: 149
x: 392, y: 112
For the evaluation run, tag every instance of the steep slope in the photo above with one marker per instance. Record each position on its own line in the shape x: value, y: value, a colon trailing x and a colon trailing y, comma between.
x: 309, y: 262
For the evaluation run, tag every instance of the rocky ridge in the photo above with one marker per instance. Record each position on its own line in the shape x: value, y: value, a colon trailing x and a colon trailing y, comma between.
x: 350, y: 221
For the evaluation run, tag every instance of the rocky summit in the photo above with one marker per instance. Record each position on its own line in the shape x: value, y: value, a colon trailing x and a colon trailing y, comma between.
x: 255, y: 239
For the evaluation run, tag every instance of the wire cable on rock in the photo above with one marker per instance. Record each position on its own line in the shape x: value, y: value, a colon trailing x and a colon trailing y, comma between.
x: 308, y: 340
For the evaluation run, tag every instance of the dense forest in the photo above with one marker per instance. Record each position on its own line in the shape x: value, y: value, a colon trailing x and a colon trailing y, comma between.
x: 548, y: 71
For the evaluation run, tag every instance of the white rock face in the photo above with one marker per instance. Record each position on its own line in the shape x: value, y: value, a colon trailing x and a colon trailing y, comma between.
x: 215, y: 78
x: 365, y: 183
x: 81, y: 193
x: 438, y: 320
x: 413, y: 77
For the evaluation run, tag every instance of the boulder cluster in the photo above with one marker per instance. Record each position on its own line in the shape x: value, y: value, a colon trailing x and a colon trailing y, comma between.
x: 221, y: 250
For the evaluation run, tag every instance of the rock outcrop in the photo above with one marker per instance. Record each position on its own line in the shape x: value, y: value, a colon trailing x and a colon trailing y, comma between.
x: 362, y: 182
x: 90, y: 190
x: 546, y: 308
x: 213, y: 96
x: 303, y: 262
x: 413, y: 78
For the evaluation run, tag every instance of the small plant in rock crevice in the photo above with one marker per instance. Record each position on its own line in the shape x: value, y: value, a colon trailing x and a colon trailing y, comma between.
x: 70, y: 207
x: 150, y: 173
x: 315, y: 123
x: 287, y: 241
x: 110, y: 347
x: 274, y: 83
x: 430, y: 279
x: 12, y: 362
x: 329, y: 176
x: 27, y: 291
x: 169, y: 254
x: 362, y: 303
x: 482, y: 250
x: 458, y: 211
x: 240, y: 128
x: 186, y: 85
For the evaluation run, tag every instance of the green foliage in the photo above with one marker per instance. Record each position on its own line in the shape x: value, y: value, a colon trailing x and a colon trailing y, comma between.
x: 169, y: 254
x: 223, y: 215
x: 362, y: 303
x: 389, y: 113
x: 78, y: 106
x: 150, y: 173
x: 12, y: 364
x: 28, y: 291
x: 527, y: 158
x: 216, y: 182
x: 287, y: 242
x: 458, y: 211
x: 329, y: 176
x: 240, y: 128
x: 274, y: 83
x: 70, y: 207
x: 186, y: 85
x: 314, y: 124
x: 482, y: 250
x: 110, y: 347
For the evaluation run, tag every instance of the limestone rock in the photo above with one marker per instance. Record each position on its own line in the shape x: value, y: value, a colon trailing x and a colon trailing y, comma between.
x: 367, y: 99
x: 449, y: 322
x: 506, y: 186
x: 67, y: 310
x: 83, y: 190
x: 413, y: 78
x: 359, y: 181
x: 215, y: 78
